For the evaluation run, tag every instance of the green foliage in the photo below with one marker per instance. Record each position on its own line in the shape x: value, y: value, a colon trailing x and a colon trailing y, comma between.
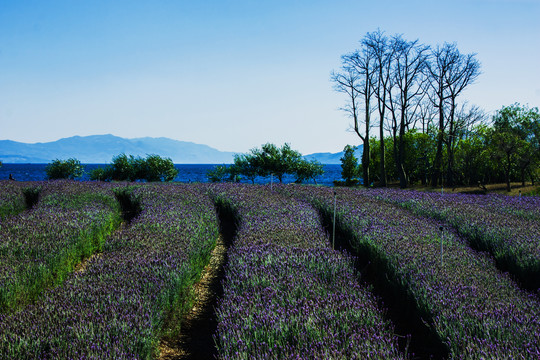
x: 266, y: 161
x: 349, y: 165
x: 507, y: 151
x: 308, y: 170
x: 130, y: 168
x: 515, y: 141
x: 157, y: 168
x: 473, y: 163
x: 273, y: 160
x: 244, y: 164
x: 99, y: 174
x: 64, y: 169
x: 219, y: 173
x: 123, y: 167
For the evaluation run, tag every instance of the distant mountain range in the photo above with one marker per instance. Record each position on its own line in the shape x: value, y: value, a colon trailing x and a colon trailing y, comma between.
x: 334, y: 158
x: 100, y: 149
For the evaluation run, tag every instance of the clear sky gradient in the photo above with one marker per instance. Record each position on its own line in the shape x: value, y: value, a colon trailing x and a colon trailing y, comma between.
x: 233, y: 74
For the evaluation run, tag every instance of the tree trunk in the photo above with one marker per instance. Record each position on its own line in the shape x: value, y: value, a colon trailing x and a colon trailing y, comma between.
x: 438, y: 155
x: 451, y: 130
x: 366, y: 152
x: 436, y: 173
x: 383, y: 167
x: 403, y: 183
x: 450, y: 172
x: 508, y: 187
x: 365, y: 163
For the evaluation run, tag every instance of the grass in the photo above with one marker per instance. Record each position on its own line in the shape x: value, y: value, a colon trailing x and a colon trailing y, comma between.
x: 516, y: 189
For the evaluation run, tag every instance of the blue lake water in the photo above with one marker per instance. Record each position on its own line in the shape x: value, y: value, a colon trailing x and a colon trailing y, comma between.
x: 186, y: 173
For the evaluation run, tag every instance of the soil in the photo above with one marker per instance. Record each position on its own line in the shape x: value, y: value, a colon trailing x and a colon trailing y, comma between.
x: 81, y: 267
x: 198, y: 326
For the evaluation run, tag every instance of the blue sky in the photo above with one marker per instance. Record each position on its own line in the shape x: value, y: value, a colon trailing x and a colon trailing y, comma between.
x: 233, y: 74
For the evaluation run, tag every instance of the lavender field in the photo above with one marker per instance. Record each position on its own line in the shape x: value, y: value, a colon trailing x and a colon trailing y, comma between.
x: 286, y: 293
x: 506, y: 227
x: 105, y: 271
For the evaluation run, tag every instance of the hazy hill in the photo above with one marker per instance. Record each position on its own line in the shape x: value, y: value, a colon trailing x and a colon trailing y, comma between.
x: 333, y: 158
x: 100, y: 149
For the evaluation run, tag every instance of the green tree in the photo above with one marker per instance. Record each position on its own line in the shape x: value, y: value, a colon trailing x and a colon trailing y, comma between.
x: 122, y: 168
x: 349, y: 165
x: 515, y: 141
x: 219, y: 173
x: 100, y: 174
x: 130, y: 168
x: 307, y: 170
x: 64, y: 169
x: 504, y: 150
x: 244, y: 164
x: 157, y: 168
x: 418, y: 149
x: 273, y: 160
x: 473, y: 162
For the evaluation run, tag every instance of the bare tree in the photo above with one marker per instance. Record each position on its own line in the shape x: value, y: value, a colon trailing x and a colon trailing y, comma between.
x: 355, y: 80
x: 465, y: 119
x: 408, y: 72
x: 450, y: 73
x: 463, y: 72
x: 377, y: 44
x: 426, y: 114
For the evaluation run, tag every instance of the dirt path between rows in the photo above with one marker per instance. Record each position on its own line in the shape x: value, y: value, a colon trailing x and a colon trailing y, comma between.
x: 196, y: 338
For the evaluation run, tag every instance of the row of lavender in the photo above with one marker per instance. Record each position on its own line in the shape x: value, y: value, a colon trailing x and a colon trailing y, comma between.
x: 11, y: 198
x: 507, y: 227
x: 39, y: 247
x: 123, y: 300
x: 474, y: 309
x: 286, y: 293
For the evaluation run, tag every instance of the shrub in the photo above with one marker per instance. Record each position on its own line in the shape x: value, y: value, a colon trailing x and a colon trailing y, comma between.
x: 156, y: 168
x: 99, y: 174
x: 130, y: 168
x: 219, y: 173
x: 349, y: 165
x: 64, y: 169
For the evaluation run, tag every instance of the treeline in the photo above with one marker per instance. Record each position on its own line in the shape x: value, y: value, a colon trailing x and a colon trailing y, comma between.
x: 410, y: 92
x: 269, y: 160
x: 504, y: 152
